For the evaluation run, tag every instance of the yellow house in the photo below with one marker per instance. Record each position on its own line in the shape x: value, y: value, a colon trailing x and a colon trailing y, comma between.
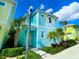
x: 7, y: 8
x: 71, y: 32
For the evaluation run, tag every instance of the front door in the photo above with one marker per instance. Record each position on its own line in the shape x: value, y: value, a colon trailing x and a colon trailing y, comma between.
x: 32, y: 39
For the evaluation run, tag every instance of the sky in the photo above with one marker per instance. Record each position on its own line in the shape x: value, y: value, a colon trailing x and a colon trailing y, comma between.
x: 64, y: 9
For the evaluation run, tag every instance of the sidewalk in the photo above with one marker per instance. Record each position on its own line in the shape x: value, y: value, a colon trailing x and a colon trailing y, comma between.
x: 70, y: 53
x: 44, y: 55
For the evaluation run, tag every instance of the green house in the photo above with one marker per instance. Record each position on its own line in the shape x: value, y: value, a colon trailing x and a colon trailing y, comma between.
x: 7, y: 8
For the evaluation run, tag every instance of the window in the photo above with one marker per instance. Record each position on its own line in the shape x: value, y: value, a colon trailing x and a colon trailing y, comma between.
x: 50, y: 20
x: 69, y: 33
x: 2, y: 3
x: 42, y: 34
x: 42, y: 15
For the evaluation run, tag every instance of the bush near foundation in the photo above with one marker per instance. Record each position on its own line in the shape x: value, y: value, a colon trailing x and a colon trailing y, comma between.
x: 31, y: 55
x: 71, y: 43
x: 12, y: 52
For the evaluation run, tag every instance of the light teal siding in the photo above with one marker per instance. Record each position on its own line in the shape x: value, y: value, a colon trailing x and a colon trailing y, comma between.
x: 42, y: 20
x: 23, y: 37
x: 33, y: 39
x: 34, y: 20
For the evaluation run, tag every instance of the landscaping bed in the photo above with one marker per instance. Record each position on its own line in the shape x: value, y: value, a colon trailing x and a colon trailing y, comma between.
x: 54, y: 49
x: 31, y: 55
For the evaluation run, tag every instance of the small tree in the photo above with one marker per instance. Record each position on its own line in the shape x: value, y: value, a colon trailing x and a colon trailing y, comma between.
x: 52, y: 35
x: 18, y: 25
x: 60, y: 33
x: 64, y: 22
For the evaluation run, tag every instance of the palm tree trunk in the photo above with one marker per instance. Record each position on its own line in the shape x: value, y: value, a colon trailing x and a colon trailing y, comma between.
x: 16, y: 38
x: 55, y: 41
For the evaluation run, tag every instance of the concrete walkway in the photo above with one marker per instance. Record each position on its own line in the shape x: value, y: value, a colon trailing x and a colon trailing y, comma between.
x: 44, y: 55
x: 70, y: 53
x: 11, y: 58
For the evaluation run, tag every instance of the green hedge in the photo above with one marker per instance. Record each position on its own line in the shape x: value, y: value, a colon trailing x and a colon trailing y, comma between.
x: 31, y: 55
x: 2, y: 57
x: 59, y: 48
x: 71, y: 43
x: 12, y: 52
x: 53, y: 50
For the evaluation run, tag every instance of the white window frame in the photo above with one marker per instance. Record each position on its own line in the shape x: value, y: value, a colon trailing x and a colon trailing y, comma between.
x: 43, y: 34
x: 50, y: 20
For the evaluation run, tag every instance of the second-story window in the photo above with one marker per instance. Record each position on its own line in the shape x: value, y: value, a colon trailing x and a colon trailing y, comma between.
x: 50, y: 21
x: 2, y: 4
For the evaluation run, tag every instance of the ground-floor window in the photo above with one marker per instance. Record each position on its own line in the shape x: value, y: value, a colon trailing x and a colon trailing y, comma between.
x: 42, y: 34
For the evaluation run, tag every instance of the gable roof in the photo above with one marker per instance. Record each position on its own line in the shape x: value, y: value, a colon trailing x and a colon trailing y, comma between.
x: 71, y: 25
x: 40, y: 11
x: 49, y: 14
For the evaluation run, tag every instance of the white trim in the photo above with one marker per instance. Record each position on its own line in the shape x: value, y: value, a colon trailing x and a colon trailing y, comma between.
x: 43, y: 34
x: 45, y: 27
x: 7, y: 20
x: 37, y: 31
x: 46, y: 20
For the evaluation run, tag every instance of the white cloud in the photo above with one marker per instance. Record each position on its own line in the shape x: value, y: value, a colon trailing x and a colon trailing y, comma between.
x: 41, y: 6
x: 70, y: 12
x: 49, y: 10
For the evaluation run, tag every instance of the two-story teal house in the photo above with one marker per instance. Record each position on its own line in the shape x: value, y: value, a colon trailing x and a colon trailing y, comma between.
x: 41, y: 24
x: 7, y: 8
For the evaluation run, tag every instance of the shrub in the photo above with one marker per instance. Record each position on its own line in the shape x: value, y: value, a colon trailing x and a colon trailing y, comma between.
x: 31, y: 55
x: 11, y: 52
x: 53, y: 50
x: 71, y: 43
x: 21, y: 57
x: 64, y: 44
x: 2, y: 57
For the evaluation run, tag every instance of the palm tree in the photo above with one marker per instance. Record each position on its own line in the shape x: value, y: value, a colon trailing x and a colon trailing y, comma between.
x: 52, y: 35
x: 64, y: 22
x: 18, y: 24
x: 60, y: 33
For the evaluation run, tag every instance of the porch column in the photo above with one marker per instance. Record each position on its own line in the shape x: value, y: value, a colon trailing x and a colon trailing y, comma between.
x: 37, y: 31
